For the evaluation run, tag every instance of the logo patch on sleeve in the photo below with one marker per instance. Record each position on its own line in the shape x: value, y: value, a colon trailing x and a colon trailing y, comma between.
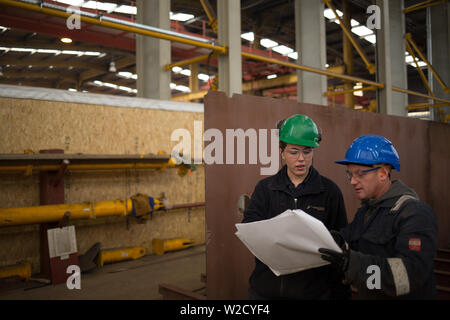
x: 414, y: 244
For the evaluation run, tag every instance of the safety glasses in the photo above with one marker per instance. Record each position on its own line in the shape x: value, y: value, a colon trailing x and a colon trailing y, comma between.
x: 360, y: 174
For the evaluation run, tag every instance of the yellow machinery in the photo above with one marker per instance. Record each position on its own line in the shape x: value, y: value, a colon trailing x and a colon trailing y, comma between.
x: 122, y: 254
x: 22, y: 270
x: 161, y: 246
x: 140, y: 206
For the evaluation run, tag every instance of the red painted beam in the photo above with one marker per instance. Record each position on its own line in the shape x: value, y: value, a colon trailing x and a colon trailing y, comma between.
x: 60, y: 30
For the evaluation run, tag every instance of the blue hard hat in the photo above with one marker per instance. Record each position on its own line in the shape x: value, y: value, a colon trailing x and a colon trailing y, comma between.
x: 371, y: 149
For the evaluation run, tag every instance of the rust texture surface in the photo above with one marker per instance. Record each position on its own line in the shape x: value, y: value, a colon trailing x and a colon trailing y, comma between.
x: 422, y: 146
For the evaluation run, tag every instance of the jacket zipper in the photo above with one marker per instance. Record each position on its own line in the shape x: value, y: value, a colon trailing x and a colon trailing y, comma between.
x: 282, y: 277
x: 281, y: 286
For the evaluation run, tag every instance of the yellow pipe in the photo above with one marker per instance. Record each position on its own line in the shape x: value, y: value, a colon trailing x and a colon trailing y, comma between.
x: 87, y: 167
x: 421, y: 74
x: 370, y: 66
x: 186, y: 97
x: 49, y: 213
x: 22, y: 270
x: 161, y: 246
x: 310, y: 69
x: 122, y: 254
x: 210, y: 14
x: 338, y: 69
x: 409, y: 39
x: 186, y: 62
x: 425, y: 106
x: 253, y: 85
x: 422, y: 5
x: 349, y: 98
x: 418, y: 94
x: 334, y: 93
x: 117, y: 26
x: 87, y: 210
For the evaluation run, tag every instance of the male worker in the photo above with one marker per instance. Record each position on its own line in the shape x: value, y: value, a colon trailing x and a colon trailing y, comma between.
x: 297, y: 186
x: 388, y: 250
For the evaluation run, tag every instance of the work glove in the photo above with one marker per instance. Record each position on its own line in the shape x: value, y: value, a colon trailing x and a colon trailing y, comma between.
x: 338, y: 260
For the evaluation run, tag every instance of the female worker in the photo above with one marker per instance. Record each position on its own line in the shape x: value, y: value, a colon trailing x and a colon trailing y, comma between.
x: 298, y: 185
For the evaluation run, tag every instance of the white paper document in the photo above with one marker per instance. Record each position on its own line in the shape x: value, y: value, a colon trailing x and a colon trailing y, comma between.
x: 287, y: 243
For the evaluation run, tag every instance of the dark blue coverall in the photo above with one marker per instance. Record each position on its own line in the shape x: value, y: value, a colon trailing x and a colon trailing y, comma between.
x: 396, y: 233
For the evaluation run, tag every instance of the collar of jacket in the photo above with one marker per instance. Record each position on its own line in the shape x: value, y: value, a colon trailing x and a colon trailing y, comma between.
x: 311, y: 185
x: 390, y: 197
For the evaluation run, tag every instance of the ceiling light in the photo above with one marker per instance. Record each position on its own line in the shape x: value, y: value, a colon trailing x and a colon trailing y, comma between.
x: 186, y: 72
x: 96, y: 5
x: 362, y: 31
x: 66, y: 40
x: 421, y: 64
x: 128, y: 89
x: 182, y: 88
x: 359, y: 93
x: 282, y: 50
x: 23, y: 50
x: 409, y: 59
x: 249, y: 36
x: 71, y: 52
x: 112, y: 67
x: 354, y: 23
x: 293, y: 55
x: 126, y: 9
x: 48, y: 51
x: 110, y: 85
x: 181, y: 16
x: 268, y: 43
x: 127, y: 75
x: 176, y: 69
x: 75, y: 3
x: 271, y: 76
x: 329, y: 14
x: 419, y: 114
x: 203, y: 77
x: 92, y: 53
x: 371, y: 38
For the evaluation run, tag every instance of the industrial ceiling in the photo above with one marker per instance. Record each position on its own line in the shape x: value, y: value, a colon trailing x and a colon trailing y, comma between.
x: 103, y: 60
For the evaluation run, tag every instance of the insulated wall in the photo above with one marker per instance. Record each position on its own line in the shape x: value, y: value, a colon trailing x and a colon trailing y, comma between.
x: 422, y: 146
x: 94, y: 127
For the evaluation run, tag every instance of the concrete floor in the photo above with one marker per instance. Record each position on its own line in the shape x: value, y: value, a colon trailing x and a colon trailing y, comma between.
x: 137, y: 279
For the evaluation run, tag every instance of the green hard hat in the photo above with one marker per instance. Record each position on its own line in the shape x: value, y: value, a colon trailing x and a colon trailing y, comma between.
x: 301, y: 130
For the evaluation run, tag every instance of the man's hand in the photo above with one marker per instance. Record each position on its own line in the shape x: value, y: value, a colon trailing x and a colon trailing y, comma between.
x: 339, y: 260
